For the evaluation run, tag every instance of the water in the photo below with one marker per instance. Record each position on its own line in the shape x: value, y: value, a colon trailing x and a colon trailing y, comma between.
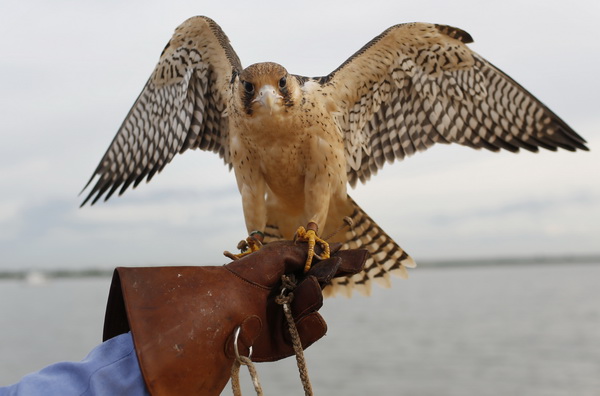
x: 490, y: 330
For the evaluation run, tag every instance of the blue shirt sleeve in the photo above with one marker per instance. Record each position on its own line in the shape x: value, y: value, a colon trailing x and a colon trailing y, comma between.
x: 110, y: 369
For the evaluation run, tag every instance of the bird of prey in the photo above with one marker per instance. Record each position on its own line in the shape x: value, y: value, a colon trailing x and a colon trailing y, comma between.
x: 296, y: 142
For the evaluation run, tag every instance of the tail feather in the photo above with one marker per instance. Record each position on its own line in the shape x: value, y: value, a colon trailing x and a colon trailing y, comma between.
x: 272, y: 233
x: 386, y: 256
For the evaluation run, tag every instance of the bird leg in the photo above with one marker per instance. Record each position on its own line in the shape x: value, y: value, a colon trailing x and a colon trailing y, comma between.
x: 248, y: 245
x: 309, y: 234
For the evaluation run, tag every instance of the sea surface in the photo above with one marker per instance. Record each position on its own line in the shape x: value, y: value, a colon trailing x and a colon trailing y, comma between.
x: 512, y: 329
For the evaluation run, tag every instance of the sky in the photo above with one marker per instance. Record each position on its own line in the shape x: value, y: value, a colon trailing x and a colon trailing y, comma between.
x: 70, y: 71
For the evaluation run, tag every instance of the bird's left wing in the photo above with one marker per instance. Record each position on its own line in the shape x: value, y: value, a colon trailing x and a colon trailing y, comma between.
x: 418, y: 84
x: 181, y: 106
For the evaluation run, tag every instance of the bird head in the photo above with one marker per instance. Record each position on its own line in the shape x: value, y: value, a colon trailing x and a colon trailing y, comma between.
x: 265, y: 89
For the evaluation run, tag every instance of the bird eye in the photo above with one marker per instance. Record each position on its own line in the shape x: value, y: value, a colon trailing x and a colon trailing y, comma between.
x: 282, y: 82
x: 248, y: 87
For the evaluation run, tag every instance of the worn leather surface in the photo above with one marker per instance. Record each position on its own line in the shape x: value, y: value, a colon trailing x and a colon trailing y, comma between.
x: 183, y: 318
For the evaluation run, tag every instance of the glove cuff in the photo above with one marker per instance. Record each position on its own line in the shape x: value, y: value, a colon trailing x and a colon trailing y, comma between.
x: 182, y: 321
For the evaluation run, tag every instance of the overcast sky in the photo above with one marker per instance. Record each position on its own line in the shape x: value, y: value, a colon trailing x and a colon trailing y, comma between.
x: 70, y: 71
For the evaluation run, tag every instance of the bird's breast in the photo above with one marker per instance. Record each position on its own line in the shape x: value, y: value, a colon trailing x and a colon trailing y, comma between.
x: 285, y: 147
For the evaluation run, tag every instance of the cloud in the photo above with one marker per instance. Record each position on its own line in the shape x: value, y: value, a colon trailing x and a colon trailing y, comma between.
x: 184, y: 227
x: 526, y: 207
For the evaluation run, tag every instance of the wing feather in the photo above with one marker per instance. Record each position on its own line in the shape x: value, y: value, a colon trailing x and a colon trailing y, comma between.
x: 418, y: 84
x: 182, y: 106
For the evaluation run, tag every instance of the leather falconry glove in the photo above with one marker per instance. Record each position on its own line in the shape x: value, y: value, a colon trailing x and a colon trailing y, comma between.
x: 183, y: 319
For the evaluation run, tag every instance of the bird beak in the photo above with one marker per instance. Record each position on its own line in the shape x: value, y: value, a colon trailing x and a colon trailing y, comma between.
x: 267, y: 96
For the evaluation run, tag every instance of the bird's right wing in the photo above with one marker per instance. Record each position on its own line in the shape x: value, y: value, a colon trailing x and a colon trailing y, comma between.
x: 182, y: 106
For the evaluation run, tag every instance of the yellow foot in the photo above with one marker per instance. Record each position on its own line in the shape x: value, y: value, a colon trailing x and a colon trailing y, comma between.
x: 309, y: 234
x: 249, y: 245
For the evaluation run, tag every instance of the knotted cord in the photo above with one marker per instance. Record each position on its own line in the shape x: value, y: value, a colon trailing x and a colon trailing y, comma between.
x: 284, y: 299
x: 289, y: 284
x: 235, y: 369
x: 235, y: 376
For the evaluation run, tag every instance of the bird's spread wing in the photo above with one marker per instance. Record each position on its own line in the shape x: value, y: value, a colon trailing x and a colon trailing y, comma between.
x: 418, y: 84
x: 182, y: 106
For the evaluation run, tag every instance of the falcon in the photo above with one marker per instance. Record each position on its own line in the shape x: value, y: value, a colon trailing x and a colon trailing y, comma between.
x: 296, y: 142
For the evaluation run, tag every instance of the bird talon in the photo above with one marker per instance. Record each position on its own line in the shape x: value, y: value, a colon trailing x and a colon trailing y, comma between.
x: 309, y: 235
x: 247, y: 246
x: 230, y: 255
x: 242, y: 245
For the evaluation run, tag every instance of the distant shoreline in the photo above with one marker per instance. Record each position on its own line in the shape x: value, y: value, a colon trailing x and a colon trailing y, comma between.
x: 472, y: 262
x: 55, y: 274
x: 563, y: 259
